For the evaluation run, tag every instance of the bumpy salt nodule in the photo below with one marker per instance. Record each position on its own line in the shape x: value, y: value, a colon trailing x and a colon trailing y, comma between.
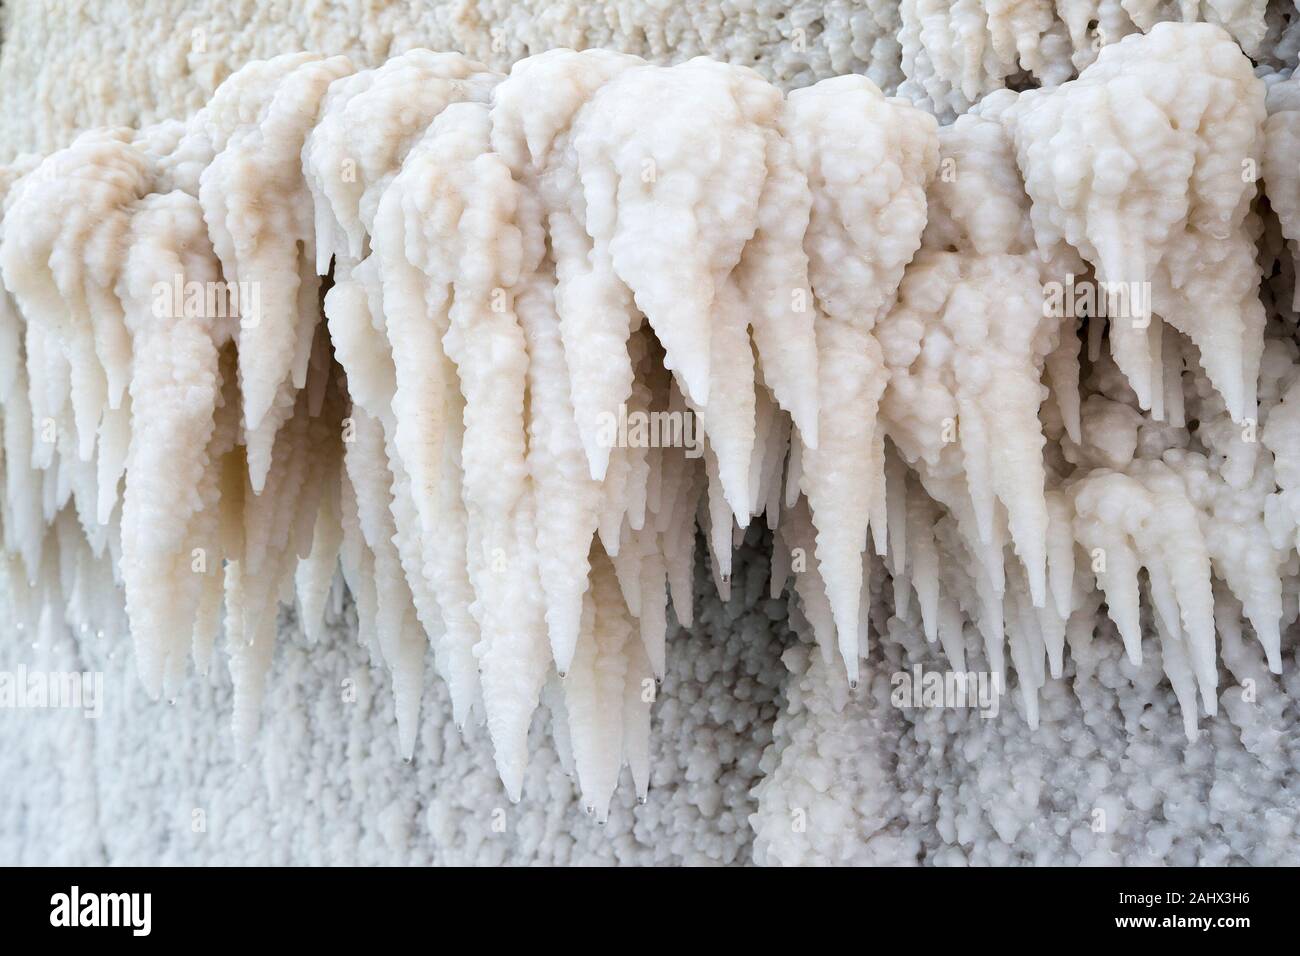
x: 425, y: 325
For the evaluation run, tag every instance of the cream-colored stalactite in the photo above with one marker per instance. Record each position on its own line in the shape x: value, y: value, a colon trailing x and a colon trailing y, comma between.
x: 578, y: 355
x: 678, y: 205
x: 868, y: 160
x: 176, y: 386
x: 974, y: 334
x: 401, y: 641
x: 215, y: 532
x: 773, y: 278
x: 349, y: 169
x: 144, y: 295
x: 1232, y: 484
x: 368, y: 123
x: 272, y: 531
x: 535, y: 116
x: 375, y: 301
x: 965, y: 348
x: 259, y: 213
x: 673, y: 197
x: 1237, y: 537
x: 954, y: 53
x: 316, y: 578
x: 61, y: 255
x: 372, y: 495
x: 487, y: 249
x: 1166, y: 224
x: 1141, y: 519
x: 567, y: 498
x: 596, y: 691
x: 1234, y: 480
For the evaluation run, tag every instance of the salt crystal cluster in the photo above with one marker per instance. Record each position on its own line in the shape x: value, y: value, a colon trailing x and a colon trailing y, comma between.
x: 485, y: 351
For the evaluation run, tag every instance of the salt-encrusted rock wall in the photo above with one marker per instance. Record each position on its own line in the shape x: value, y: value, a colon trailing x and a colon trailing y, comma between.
x: 744, y: 704
x: 68, y: 65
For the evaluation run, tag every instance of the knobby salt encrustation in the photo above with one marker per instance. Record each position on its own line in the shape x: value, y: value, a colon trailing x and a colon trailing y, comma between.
x: 857, y: 351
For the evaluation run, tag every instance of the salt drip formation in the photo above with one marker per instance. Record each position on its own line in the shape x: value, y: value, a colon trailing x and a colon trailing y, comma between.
x: 412, y: 333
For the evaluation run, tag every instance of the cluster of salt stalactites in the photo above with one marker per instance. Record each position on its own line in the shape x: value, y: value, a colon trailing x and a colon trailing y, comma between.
x: 493, y: 346
x: 954, y: 52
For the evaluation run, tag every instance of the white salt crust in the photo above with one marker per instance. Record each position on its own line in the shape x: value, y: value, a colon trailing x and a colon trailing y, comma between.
x: 847, y: 297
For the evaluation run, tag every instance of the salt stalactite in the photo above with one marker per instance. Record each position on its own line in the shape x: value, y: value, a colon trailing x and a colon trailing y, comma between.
x: 490, y: 351
x: 973, y: 335
x: 416, y: 396
x: 1168, y: 222
x: 535, y: 116
x: 173, y: 469
x: 963, y: 406
x: 393, y: 359
x: 486, y: 250
x: 61, y: 267
x: 576, y: 330
x: 954, y: 53
x: 259, y: 214
x: 868, y: 161
x: 64, y: 265
x: 262, y: 231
